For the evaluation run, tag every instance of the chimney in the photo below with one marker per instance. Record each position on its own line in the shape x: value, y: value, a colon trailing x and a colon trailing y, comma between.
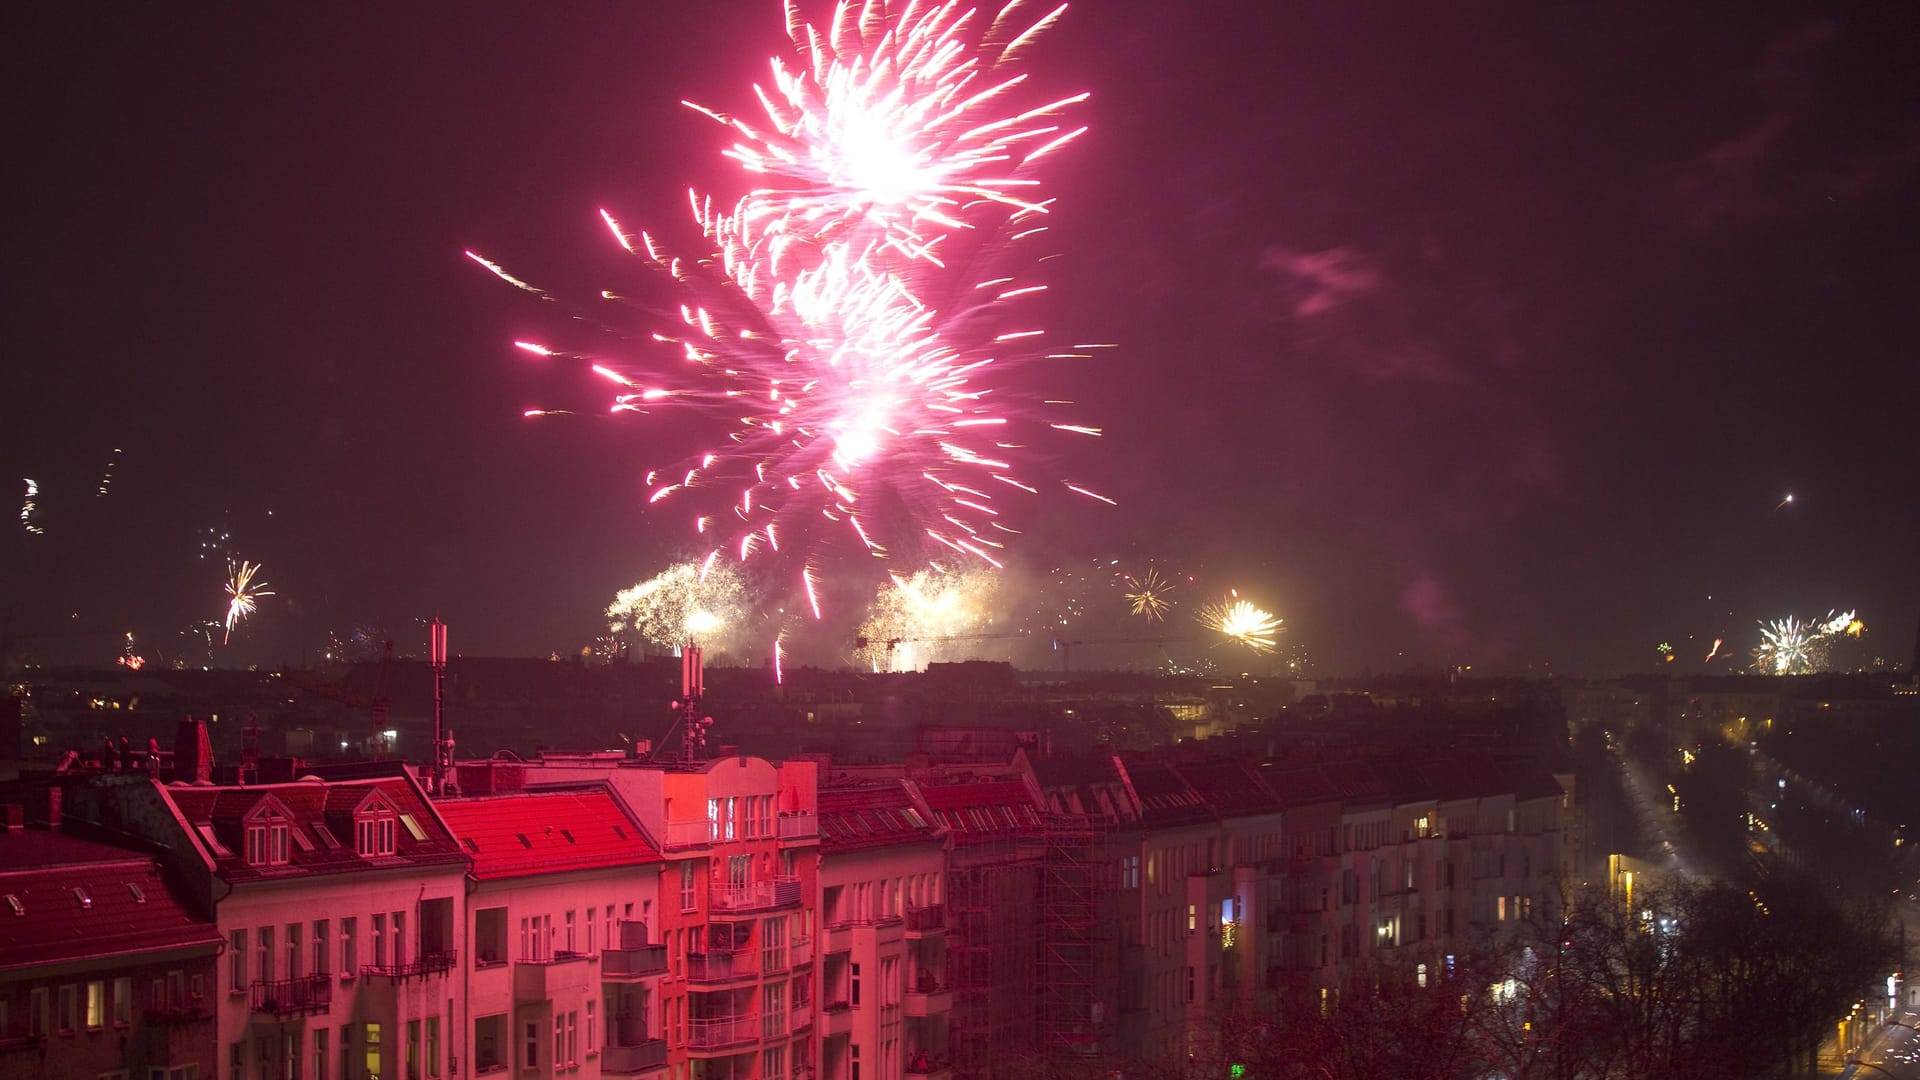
x: 192, y: 752
x: 13, y: 817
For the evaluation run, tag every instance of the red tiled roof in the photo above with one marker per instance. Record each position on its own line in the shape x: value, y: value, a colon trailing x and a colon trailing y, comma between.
x: 321, y: 816
x: 129, y: 909
x: 547, y: 832
x: 855, y: 818
x: 977, y: 812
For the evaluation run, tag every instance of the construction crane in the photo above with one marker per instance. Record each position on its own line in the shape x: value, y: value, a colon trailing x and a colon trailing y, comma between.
x: 1065, y: 647
x: 380, y: 743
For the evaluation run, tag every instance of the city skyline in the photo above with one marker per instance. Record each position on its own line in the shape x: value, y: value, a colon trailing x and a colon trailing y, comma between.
x: 1497, y: 340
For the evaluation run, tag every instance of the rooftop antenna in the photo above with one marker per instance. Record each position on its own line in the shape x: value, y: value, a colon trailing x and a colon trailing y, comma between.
x: 440, y: 774
x: 693, y: 687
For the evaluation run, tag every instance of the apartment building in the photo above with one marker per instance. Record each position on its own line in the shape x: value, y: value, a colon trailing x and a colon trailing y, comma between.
x: 884, y: 1001
x: 563, y: 976
x: 739, y: 842
x: 105, y: 969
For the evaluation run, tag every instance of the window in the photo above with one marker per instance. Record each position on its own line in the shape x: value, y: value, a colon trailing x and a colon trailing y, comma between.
x: 726, y: 821
x: 373, y: 827
x: 398, y: 945
x: 593, y: 916
x: 530, y: 1048
x: 237, y: 962
x: 319, y: 953
x: 370, y: 1045
x: 853, y: 984
x: 536, y: 935
x: 236, y: 1061
x: 566, y: 1049
x: 69, y: 1009
x: 267, y: 835
x: 686, y: 886
x: 773, y: 1022
x: 413, y: 1049
x: 39, y: 1015
x: 490, y: 935
x: 569, y: 947
x: 433, y: 1046
x: 593, y: 1032
x: 123, y: 1001
x: 774, y: 1063
x: 293, y: 951
x: 1190, y: 984
x: 320, y: 1053
x: 349, y: 959
x: 379, y: 939
x: 346, y: 1053
x: 96, y: 1005
x: 264, y: 951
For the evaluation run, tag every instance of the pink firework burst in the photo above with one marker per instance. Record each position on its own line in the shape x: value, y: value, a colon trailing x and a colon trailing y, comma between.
x: 851, y: 329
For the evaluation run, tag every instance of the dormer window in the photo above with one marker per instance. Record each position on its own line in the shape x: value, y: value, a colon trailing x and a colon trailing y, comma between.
x: 374, y: 827
x: 268, y: 836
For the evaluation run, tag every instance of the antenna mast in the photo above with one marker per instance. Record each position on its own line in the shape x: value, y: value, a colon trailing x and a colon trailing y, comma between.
x: 440, y: 773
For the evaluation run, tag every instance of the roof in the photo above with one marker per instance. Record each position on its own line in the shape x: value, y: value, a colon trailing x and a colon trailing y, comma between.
x: 1230, y: 788
x: 549, y: 831
x: 320, y: 816
x: 1166, y: 800
x: 856, y: 818
x: 123, y: 906
x: 982, y: 811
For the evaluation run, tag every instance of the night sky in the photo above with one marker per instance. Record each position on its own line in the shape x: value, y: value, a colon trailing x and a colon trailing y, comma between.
x: 1486, y: 334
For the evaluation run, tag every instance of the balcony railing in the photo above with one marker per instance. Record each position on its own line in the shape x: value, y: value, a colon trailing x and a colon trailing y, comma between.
x: 923, y: 919
x: 293, y: 997
x: 686, y: 834
x: 716, y: 1032
x: 763, y: 895
x: 801, y: 825
x: 720, y: 966
x: 177, y: 1014
x: 644, y: 960
x: 637, y: 1058
x: 800, y: 952
x: 802, y: 1018
x: 432, y: 963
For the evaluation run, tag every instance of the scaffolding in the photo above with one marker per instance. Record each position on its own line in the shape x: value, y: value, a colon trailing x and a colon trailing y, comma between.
x: 990, y: 955
x: 1075, y: 976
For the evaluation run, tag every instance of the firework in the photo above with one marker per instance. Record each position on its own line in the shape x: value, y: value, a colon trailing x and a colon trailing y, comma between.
x: 128, y: 658
x: 843, y: 327
x: 911, y: 618
x: 1242, y: 622
x: 243, y: 594
x: 1147, y: 595
x: 106, y: 477
x: 686, y: 602
x: 30, y: 509
x: 1794, y: 646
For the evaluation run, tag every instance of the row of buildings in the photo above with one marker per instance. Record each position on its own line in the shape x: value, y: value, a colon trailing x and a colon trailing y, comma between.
x: 596, y: 914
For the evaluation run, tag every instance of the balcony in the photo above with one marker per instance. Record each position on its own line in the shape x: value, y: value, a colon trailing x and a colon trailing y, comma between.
x: 286, y: 998
x: 691, y: 834
x: 544, y: 978
x: 633, y: 1060
x: 175, y: 1016
x: 802, y: 1019
x: 633, y: 963
x: 721, y: 967
x: 800, y: 953
x: 928, y: 998
x: 433, y: 963
x: 800, y: 825
x: 722, y: 1032
x: 922, y: 921
x: 769, y: 894
x: 836, y: 1018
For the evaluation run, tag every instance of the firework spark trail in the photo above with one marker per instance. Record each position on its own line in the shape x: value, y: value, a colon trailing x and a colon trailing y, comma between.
x: 1241, y: 621
x: 243, y: 595
x: 30, y: 509
x: 704, y: 601
x: 847, y: 323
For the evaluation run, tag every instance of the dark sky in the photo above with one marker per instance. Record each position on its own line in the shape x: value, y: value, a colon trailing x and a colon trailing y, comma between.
x: 1485, y: 333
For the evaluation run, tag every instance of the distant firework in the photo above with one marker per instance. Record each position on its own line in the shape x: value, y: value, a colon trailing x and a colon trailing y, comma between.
x: 1147, y: 595
x: 30, y: 509
x: 914, y: 619
x: 1794, y: 646
x: 850, y: 330
x: 1243, y: 622
x: 128, y: 658
x: 686, y: 602
x: 243, y: 594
